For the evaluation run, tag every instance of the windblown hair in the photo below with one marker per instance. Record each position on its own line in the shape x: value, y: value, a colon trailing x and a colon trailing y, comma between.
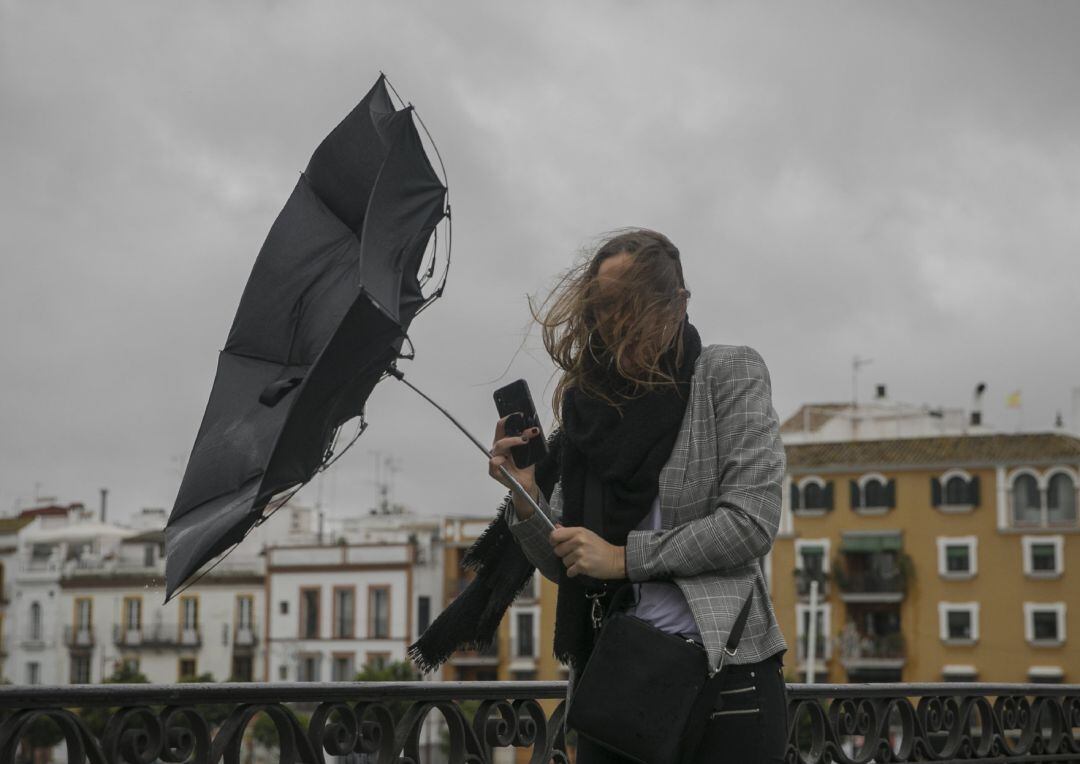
x: 637, y: 318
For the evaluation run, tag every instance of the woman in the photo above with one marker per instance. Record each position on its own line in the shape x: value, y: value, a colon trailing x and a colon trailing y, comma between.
x: 686, y: 444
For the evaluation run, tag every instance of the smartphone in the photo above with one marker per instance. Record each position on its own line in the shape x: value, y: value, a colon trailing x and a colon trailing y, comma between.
x: 515, y: 401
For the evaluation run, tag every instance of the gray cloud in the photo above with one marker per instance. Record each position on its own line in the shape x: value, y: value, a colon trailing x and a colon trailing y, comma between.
x: 898, y: 180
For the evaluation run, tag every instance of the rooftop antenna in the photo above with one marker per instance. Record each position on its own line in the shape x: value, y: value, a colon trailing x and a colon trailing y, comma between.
x: 856, y: 362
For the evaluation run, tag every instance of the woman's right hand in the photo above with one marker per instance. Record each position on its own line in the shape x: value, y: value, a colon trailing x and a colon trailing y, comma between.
x: 501, y: 456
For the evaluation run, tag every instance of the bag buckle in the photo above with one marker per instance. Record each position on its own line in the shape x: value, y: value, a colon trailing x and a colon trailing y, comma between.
x: 597, y: 611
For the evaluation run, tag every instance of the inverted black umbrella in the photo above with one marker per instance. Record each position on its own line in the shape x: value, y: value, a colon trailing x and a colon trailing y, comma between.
x: 322, y: 319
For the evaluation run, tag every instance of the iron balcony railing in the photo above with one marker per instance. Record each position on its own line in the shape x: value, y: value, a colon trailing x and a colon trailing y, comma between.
x: 803, y: 579
x: 79, y: 636
x: 157, y: 635
x: 380, y: 722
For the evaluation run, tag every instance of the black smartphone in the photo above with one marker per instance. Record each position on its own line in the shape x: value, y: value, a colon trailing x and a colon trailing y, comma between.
x: 515, y: 399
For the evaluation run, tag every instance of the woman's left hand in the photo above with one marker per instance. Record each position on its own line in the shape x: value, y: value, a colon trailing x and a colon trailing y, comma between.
x: 582, y: 551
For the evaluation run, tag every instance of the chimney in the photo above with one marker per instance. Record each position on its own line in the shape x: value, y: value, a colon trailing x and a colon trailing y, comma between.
x: 976, y: 406
x: 104, y: 502
x: 880, y: 392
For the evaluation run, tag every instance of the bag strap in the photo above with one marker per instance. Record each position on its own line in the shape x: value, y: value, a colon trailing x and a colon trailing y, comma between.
x: 710, y: 691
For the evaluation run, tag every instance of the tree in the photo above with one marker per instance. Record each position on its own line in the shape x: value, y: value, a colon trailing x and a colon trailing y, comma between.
x: 214, y: 713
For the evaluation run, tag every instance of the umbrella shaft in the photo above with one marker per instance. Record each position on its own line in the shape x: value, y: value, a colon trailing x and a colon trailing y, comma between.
x: 393, y: 370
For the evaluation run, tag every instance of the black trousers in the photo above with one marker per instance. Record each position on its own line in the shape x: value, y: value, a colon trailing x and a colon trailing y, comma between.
x: 749, y: 726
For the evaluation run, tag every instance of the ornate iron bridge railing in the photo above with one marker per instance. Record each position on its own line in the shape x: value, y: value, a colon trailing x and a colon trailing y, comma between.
x: 382, y: 722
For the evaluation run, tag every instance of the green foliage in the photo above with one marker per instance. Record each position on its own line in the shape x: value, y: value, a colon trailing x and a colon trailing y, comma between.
x: 396, y: 671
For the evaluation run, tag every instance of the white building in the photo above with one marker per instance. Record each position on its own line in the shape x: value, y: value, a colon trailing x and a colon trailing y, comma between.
x: 88, y: 597
x: 333, y: 609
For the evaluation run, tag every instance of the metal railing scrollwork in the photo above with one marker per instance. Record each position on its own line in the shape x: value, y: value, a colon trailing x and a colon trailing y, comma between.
x: 383, y: 722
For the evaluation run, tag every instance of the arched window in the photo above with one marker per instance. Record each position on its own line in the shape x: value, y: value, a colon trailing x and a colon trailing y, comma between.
x: 35, y: 620
x: 813, y: 496
x: 956, y: 491
x: 1061, y: 499
x: 874, y: 493
x: 1026, y: 504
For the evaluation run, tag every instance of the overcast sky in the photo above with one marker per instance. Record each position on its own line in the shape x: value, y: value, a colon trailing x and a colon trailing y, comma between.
x: 895, y: 180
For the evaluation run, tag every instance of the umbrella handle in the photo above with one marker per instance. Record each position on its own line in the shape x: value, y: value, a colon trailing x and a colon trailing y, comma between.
x: 396, y: 372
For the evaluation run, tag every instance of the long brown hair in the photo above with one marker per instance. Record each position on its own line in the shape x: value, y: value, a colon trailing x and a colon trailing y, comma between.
x: 642, y: 313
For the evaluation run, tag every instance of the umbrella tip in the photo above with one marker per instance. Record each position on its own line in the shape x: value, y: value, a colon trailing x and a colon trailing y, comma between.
x: 395, y: 371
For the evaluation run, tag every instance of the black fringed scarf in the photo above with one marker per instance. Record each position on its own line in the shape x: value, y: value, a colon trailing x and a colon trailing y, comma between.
x: 627, y: 452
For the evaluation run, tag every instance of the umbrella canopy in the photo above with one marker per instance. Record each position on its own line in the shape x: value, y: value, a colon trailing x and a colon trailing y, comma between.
x: 324, y: 313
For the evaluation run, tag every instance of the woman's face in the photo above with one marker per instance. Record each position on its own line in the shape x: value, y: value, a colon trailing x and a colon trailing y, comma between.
x: 607, y: 282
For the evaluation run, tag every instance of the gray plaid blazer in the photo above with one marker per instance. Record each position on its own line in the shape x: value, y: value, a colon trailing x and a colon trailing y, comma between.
x: 719, y: 506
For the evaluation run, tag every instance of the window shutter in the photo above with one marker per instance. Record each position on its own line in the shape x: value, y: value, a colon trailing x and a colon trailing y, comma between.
x: 890, y: 493
x: 935, y: 492
x: 854, y: 494
x: 828, y: 495
x: 795, y: 496
x: 973, y: 491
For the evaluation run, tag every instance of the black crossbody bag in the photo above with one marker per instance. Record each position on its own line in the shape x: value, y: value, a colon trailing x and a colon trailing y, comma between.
x: 645, y: 694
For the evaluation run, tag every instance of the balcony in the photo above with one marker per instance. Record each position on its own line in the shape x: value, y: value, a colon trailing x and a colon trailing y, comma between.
x: 78, y: 637
x: 157, y: 637
x: 872, y: 651
x: 900, y: 723
x: 873, y: 578
x: 486, y: 656
x: 245, y: 637
x: 802, y: 583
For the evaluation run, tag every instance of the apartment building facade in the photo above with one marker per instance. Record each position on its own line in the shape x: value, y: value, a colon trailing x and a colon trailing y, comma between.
x: 943, y: 557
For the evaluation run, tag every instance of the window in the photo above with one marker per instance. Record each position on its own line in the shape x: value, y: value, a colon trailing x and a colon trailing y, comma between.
x: 341, y: 669
x: 83, y: 614
x: 1043, y: 556
x: 1027, y: 509
x: 1044, y: 623
x: 811, y: 564
x: 148, y: 556
x: 423, y: 614
x: 307, y: 667
x: 959, y: 622
x: 957, y: 556
x: 1061, y: 500
x: 245, y: 611
x: 80, y: 668
x: 309, y: 614
x: 344, y: 611
x: 33, y: 672
x: 379, y: 611
x: 955, y: 491
x: 1049, y: 501
x: 377, y: 661
x: 35, y: 623
x: 528, y: 591
x: 283, y: 672
x: 242, y: 668
x: 957, y: 673
x: 873, y: 494
x: 283, y: 607
x: 525, y: 646
x: 1046, y: 675
x: 822, y: 647
x: 132, y: 613
x: 811, y: 495
x: 189, y: 619
x: 187, y: 669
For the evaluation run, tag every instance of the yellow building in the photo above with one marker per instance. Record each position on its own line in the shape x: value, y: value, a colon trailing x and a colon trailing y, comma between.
x: 941, y: 557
